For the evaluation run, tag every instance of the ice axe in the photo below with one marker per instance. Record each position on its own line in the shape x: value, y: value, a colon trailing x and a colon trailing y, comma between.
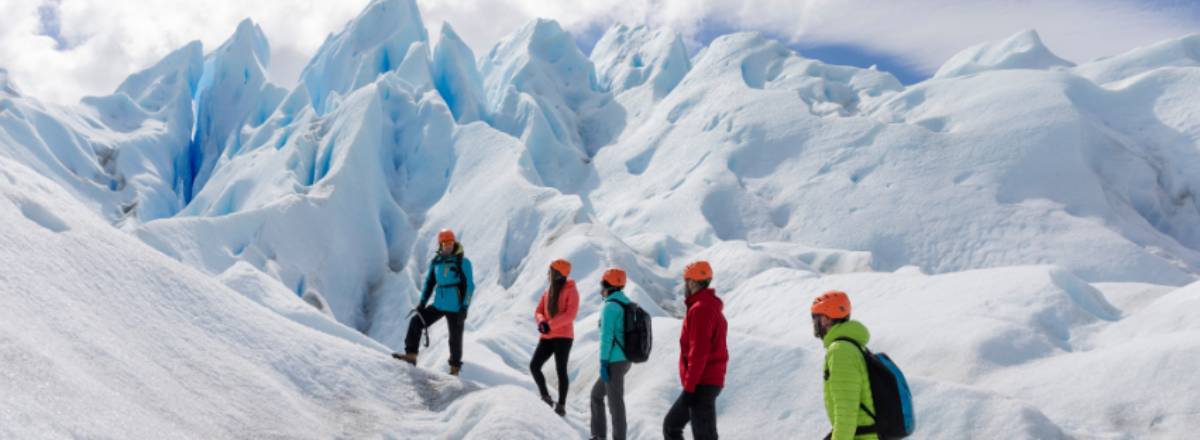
x: 424, y: 325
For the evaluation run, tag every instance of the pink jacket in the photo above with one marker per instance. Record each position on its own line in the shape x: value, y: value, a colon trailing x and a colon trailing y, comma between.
x: 562, y: 325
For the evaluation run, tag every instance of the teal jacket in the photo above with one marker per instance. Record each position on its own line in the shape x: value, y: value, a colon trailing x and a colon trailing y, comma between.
x: 612, y: 328
x: 847, y: 387
x: 444, y: 280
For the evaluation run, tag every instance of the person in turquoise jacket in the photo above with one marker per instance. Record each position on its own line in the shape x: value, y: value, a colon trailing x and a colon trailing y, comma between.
x: 613, y: 363
x: 450, y: 282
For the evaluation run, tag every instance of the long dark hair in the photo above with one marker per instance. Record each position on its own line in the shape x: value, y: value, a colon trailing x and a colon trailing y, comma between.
x: 557, y: 282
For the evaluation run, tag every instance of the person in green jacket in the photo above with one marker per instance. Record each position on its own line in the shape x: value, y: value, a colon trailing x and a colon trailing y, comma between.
x: 613, y: 363
x: 848, y: 401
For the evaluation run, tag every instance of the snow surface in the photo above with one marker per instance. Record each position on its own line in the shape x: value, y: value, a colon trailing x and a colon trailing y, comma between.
x: 1024, y: 50
x: 123, y: 342
x: 213, y: 256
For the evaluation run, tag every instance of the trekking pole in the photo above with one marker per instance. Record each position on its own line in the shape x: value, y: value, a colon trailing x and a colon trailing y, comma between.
x: 424, y: 325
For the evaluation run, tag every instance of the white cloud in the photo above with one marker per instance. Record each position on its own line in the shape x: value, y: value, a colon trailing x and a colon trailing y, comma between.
x: 113, y: 39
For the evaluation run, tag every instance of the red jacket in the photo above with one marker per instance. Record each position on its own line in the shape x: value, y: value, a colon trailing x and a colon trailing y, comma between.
x: 562, y: 325
x: 702, y: 352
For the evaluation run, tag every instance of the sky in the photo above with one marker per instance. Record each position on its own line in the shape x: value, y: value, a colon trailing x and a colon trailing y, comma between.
x: 62, y: 50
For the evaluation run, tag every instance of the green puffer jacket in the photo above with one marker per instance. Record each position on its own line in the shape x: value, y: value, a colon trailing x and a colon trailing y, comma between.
x: 846, y: 382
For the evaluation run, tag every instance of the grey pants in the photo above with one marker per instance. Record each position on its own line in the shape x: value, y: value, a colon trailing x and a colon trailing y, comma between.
x: 615, y: 391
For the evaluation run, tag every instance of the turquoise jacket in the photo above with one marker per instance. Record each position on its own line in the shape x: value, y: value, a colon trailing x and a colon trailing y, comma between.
x: 612, y: 328
x: 444, y: 280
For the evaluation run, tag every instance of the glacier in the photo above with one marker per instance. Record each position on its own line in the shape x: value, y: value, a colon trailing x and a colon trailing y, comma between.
x: 214, y: 255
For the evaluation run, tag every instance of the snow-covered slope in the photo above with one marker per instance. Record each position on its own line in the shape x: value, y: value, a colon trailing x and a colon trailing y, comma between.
x: 1015, y: 231
x: 999, y: 168
x: 124, y: 342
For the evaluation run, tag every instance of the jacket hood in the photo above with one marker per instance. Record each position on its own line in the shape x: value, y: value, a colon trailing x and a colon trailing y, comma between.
x: 618, y: 295
x: 706, y: 296
x: 852, y: 330
x: 458, y: 251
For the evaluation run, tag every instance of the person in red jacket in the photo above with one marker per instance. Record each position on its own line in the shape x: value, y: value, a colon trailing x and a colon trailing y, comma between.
x: 555, y: 315
x: 703, y: 358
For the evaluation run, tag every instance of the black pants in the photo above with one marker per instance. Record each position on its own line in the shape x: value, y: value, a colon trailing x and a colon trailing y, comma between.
x: 702, y: 414
x: 430, y: 315
x: 614, y: 392
x: 561, y: 349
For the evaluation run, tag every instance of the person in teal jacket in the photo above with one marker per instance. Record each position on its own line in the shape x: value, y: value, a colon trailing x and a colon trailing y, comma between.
x: 613, y: 363
x: 848, y: 400
x: 450, y: 282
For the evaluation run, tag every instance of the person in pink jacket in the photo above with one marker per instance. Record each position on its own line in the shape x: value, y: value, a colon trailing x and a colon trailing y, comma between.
x: 555, y: 316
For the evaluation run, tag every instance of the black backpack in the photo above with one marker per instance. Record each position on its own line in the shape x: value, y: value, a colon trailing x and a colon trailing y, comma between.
x: 638, y: 335
x: 894, y: 415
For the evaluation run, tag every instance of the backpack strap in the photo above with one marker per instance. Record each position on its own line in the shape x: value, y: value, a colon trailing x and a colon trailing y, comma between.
x: 462, y: 280
x: 456, y: 263
x: 624, y: 312
x: 865, y: 352
x: 856, y: 344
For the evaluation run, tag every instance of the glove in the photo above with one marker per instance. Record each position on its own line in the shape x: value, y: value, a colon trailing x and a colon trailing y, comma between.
x: 544, y: 327
x: 604, y: 371
x: 688, y: 398
x: 420, y: 308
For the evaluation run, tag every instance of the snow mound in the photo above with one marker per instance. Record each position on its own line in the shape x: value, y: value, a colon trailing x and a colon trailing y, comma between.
x: 1181, y: 52
x: 1020, y: 344
x: 1023, y: 50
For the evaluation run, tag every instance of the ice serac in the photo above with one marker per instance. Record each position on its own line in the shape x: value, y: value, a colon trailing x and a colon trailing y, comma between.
x: 543, y: 90
x: 1023, y: 50
x: 627, y: 57
x: 366, y: 185
x: 717, y: 148
x: 117, y: 153
x: 1179, y: 52
x: 457, y: 77
x: 639, y: 66
x: 232, y: 92
x: 375, y: 42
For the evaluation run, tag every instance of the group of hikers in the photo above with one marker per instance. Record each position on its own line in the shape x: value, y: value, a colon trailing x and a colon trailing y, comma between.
x: 854, y: 378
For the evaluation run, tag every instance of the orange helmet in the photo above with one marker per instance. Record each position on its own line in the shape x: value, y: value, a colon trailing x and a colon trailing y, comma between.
x: 834, y: 304
x: 563, y: 267
x: 446, y: 235
x: 614, y: 277
x: 698, y: 271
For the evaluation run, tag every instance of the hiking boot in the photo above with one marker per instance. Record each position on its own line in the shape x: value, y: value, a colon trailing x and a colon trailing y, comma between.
x: 454, y: 369
x: 411, y: 358
x: 549, y: 402
x: 560, y: 409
